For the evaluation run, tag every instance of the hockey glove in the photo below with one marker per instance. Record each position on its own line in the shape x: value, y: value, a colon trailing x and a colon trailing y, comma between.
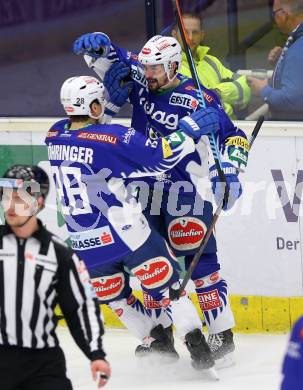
x: 95, y: 45
x: 233, y: 185
x: 201, y: 122
x: 117, y: 88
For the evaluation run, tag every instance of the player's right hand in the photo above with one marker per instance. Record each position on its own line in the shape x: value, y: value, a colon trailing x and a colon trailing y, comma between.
x: 117, y: 87
x: 101, y: 371
x: 201, y: 122
x: 95, y: 45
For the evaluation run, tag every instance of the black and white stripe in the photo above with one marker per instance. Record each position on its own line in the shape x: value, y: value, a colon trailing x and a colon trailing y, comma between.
x: 35, y: 275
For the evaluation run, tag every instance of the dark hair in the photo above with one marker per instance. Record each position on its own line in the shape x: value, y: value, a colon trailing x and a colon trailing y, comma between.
x: 82, y: 118
x: 193, y: 15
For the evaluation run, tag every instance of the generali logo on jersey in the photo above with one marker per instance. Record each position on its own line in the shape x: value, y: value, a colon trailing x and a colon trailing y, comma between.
x: 154, y: 272
x: 91, y: 239
x: 183, y: 100
x: 186, y: 233
x: 109, y: 287
x: 99, y: 137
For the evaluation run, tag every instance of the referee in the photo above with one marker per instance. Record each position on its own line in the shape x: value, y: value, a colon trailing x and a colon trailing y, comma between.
x: 37, y: 271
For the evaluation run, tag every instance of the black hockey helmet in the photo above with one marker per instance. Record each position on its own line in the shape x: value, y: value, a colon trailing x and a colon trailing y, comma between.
x: 19, y: 174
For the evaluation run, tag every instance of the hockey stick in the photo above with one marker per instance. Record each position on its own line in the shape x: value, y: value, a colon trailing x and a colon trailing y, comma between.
x: 175, y: 294
x: 256, y: 130
x: 195, y: 78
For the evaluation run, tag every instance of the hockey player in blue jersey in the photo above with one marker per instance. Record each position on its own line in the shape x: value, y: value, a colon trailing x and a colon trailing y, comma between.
x: 90, y: 163
x: 293, y: 360
x: 160, y: 98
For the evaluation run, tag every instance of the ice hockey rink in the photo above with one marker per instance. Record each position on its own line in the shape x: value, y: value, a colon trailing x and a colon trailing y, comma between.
x: 258, y: 365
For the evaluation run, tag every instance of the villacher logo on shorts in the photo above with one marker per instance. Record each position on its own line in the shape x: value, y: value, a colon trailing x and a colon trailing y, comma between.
x: 154, y: 273
x: 186, y: 233
x: 91, y: 239
x: 109, y: 287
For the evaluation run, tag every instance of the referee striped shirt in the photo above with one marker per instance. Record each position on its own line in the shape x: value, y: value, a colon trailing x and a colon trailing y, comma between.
x: 36, y: 274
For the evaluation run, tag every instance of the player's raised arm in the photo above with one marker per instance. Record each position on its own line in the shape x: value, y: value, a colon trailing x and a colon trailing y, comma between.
x: 111, y: 63
x: 147, y: 157
x: 99, y: 52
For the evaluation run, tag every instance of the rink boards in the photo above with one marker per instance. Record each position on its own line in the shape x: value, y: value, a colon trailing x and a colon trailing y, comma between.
x: 259, y: 240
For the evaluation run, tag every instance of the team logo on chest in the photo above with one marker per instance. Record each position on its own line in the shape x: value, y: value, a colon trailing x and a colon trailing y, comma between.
x: 184, y: 100
x: 158, y: 113
x: 186, y: 233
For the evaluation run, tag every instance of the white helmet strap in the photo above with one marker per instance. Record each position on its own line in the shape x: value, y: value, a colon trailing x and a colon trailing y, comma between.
x: 167, y: 68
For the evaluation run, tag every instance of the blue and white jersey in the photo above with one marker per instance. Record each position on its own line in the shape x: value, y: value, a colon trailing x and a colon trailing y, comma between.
x: 158, y: 114
x: 90, y: 167
x: 293, y: 361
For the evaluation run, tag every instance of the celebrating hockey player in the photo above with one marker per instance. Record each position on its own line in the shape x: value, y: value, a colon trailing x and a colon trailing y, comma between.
x: 90, y: 163
x: 160, y: 98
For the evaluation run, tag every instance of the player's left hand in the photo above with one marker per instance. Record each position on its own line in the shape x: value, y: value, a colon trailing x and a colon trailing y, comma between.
x: 233, y: 184
x: 201, y: 122
x: 100, y: 371
x: 95, y: 44
x: 117, y: 87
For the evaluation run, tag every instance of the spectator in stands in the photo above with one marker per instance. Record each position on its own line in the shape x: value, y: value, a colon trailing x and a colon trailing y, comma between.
x: 232, y: 89
x: 284, y: 93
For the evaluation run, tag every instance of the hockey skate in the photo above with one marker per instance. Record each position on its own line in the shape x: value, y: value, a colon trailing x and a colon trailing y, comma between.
x: 222, y: 347
x: 162, y: 345
x: 200, y: 352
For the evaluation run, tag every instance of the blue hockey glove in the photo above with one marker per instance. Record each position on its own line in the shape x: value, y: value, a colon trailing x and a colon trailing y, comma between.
x: 201, y: 122
x: 233, y: 185
x: 95, y: 45
x: 117, y: 88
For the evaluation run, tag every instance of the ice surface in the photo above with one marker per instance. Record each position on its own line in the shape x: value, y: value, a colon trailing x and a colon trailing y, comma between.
x: 258, y: 365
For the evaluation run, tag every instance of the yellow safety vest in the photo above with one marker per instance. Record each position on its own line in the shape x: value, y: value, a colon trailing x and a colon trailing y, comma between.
x: 233, y: 89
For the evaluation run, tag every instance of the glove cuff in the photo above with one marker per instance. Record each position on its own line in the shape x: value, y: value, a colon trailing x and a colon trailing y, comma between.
x: 111, y: 109
x: 229, y: 170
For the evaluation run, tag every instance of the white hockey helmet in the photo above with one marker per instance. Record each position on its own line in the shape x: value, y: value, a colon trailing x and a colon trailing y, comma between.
x: 77, y: 93
x: 161, y: 50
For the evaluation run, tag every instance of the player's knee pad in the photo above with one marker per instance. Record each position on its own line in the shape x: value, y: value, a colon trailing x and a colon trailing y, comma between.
x: 208, y: 264
x: 111, y: 287
x: 156, y: 275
